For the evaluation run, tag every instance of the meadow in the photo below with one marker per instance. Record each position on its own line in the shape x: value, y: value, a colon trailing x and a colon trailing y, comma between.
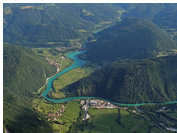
x: 116, y: 120
x: 59, y: 56
x: 69, y: 78
x: 68, y: 117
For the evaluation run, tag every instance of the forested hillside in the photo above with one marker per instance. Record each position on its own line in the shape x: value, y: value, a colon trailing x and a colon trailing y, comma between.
x: 144, y: 10
x: 55, y: 24
x: 138, y: 81
x: 121, y: 41
x: 49, y: 25
x: 24, y: 73
x: 167, y: 17
x: 162, y: 14
x: 132, y: 38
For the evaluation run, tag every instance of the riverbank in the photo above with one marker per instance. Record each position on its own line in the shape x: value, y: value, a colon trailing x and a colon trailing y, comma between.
x: 79, y: 63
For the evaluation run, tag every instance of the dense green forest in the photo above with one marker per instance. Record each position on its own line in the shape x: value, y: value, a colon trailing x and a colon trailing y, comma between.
x: 132, y: 38
x: 49, y: 25
x: 46, y: 24
x: 125, y: 38
x: 137, y: 81
x: 167, y: 18
x: 162, y: 14
x: 144, y: 10
x: 24, y: 73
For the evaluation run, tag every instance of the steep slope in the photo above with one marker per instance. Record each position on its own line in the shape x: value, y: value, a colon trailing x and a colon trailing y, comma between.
x: 132, y: 38
x: 167, y: 18
x: 46, y: 24
x: 145, y: 10
x: 137, y: 81
x: 24, y: 73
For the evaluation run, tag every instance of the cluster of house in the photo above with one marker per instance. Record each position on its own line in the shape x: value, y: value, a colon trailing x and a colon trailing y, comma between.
x: 65, y: 48
x: 53, y: 115
x: 95, y: 103
x: 52, y: 62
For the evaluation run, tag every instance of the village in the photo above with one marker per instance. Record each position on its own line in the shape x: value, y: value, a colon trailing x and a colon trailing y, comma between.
x: 95, y: 103
x: 53, y: 115
x: 66, y: 48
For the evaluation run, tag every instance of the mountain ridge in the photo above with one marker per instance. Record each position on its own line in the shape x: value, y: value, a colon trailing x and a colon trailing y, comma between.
x: 23, y: 74
x: 145, y: 39
x: 136, y: 81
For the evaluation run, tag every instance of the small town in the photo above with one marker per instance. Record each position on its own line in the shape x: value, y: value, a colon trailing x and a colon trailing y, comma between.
x: 53, y: 115
x: 66, y: 48
x: 95, y: 103
x: 52, y: 62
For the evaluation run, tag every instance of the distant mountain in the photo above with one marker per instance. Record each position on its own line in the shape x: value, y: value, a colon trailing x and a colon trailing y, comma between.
x: 127, y: 6
x: 133, y: 38
x: 167, y: 18
x: 46, y: 24
x: 162, y: 14
x: 137, y: 81
x: 23, y: 74
x: 144, y: 10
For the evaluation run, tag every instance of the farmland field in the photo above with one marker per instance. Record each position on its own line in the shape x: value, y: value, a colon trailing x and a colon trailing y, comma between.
x: 55, y: 55
x: 69, y: 78
x: 106, y: 120
x: 172, y: 115
x: 69, y: 116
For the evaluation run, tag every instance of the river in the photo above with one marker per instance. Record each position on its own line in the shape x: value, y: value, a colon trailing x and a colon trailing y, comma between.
x: 79, y: 63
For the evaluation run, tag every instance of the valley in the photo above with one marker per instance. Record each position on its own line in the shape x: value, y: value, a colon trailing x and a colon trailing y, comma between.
x: 89, y: 68
x: 146, y: 118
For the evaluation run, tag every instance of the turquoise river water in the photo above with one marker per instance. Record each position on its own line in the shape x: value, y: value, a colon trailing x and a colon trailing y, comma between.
x: 79, y: 63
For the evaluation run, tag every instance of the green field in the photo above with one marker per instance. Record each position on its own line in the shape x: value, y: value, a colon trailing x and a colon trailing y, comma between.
x: 55, y: 55
x: 106, y: 120
x: 69, y: 78
x: 156, y: 130
x: 44, y: 107
x: 167, y: 53
x: 48, y: 52
x: 172, y: 114
x: 70, y: 115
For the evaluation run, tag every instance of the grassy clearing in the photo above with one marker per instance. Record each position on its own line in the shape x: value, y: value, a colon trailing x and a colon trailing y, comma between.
x: 48, y: 52
x: 7, y: 10
x: 172, y: 114
x: 69, y: 78
x: 82, y: 30
x: 56, y: 55
x: 86, y: 13
x: 70, y: 115
x: 133, y: 122
x: 174, y: 50
x: 44, y: 107
x: 156, y: 130
x: 26, y: 7
x: 106, y: 120
x: 167, y: 53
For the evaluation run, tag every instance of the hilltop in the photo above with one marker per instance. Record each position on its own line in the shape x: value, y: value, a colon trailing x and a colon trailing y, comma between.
x: 48, y: 25
x: 136, y: 81
x: 133, y: 38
